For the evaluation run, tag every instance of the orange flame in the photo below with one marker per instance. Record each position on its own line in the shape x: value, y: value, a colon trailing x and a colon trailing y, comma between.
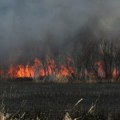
x: 38, y: 69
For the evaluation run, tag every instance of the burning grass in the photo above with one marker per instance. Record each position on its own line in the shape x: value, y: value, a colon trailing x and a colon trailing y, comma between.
x: 61, y: 71
x: 39, y: 70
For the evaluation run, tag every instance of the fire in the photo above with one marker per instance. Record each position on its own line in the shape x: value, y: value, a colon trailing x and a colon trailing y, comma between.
x: 114, y: 74
x: 100, y: 70
x: 38, y: 69
x: 49, y: 67
x: 64, y: 71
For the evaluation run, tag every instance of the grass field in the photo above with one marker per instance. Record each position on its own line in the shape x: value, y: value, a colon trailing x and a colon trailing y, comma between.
x: 50, y: 101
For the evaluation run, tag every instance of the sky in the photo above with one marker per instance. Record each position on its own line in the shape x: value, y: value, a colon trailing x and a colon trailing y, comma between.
x: 29, y: 22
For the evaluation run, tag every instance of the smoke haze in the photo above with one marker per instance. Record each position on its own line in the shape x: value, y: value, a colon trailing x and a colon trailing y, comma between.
x: 35, y: 27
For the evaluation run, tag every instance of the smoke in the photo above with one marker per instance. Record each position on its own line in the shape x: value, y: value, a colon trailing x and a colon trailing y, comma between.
x: 34, y: 27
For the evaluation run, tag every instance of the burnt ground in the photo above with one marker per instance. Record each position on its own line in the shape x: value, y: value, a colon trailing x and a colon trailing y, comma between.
x: 51, y: 100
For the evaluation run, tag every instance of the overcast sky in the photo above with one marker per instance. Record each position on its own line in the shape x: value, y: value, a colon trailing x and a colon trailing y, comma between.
x: 23, y: 21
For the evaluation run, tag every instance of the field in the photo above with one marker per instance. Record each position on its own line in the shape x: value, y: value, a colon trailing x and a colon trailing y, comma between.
x: 50, y: 101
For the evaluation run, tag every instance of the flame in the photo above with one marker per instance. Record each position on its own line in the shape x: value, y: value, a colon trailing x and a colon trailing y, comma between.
x: 114, y: 74
x: 38, y: 69
x: 100, y: 70
x: 49, y: 67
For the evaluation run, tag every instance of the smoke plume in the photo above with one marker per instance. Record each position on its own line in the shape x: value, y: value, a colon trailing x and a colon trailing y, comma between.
x: 35, y: 27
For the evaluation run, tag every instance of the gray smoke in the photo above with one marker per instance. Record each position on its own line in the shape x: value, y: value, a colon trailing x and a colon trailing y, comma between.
x: 34, y: 27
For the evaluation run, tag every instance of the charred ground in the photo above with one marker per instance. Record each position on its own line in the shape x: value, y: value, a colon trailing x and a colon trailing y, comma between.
x: 52, y: 100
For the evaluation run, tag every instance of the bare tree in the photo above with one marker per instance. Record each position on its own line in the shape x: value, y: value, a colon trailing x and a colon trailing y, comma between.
x: 107, y: 50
